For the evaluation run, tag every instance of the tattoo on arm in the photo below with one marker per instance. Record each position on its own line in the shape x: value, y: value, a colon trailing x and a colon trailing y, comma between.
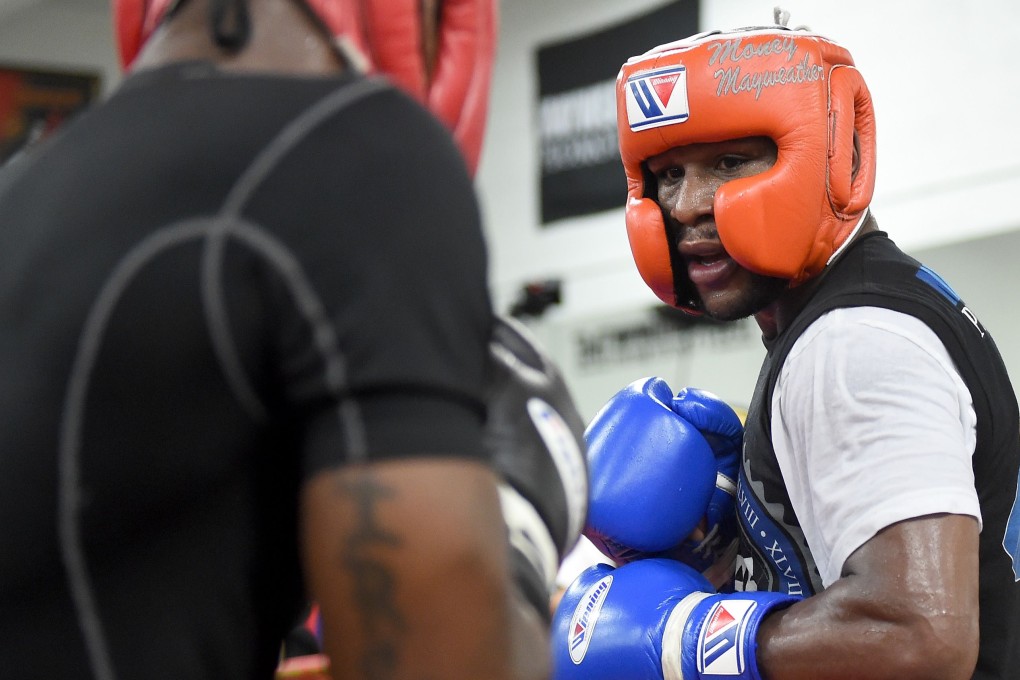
x: 374, y: 589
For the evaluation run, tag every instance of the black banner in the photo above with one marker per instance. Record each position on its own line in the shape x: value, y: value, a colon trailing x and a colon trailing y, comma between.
x: 581, y: 171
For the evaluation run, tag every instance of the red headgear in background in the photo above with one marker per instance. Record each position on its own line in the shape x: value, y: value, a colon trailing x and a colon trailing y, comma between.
x: 795, y: 87
x: 390, y: 35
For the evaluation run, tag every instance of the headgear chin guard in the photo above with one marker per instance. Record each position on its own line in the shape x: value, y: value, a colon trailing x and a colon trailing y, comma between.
x: 387, y: 36
x: 797, y: 88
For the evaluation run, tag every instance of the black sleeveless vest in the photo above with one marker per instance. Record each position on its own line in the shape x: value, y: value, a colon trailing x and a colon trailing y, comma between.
x: 774, y: 554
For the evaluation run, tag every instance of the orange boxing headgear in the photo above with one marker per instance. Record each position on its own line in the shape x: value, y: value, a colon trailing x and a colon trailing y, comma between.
x: 390, y: 37
x: 795, y: 87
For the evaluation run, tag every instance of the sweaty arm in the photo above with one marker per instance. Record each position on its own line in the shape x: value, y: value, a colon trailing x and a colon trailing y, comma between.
x: 875, y: 445
x: 905, y: 607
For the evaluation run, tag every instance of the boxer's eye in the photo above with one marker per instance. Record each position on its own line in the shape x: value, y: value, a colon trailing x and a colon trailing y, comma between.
x: 731, y: 163
x: 670, y: 174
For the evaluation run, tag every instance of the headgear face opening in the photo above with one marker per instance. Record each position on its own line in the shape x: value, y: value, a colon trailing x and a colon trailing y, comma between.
x: 797, y: 88
x: 385, y: 36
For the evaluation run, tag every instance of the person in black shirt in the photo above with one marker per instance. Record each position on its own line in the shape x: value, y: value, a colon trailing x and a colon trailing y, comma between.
x: 247, y: 342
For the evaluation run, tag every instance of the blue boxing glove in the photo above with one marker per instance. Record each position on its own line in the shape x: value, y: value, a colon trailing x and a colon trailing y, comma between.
x: 656, y: 619
x: 716, y: 420
x: 652, y: 473
x: 654, y: 482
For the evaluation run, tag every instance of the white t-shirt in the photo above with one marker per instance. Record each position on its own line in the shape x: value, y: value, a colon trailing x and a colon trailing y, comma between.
x: 872, y: 425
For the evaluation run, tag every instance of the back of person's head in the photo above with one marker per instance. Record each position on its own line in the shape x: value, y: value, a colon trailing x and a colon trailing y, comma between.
x: 439, y: 51
x: 795, y: 87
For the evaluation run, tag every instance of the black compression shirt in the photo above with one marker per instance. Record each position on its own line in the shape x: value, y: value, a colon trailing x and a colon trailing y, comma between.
x: 211, y: 287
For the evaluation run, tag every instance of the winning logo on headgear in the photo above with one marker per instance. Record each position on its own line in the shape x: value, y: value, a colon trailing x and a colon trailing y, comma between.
x: 656, y: 98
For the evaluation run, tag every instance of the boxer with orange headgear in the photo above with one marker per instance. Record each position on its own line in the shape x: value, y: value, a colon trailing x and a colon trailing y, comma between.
x: 799, y: 90
x: 883, y: 431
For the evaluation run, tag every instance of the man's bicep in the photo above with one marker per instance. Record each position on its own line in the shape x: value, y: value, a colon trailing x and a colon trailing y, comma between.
x: 398, y: 554
x: 907, y: 598
x: 928, y: 565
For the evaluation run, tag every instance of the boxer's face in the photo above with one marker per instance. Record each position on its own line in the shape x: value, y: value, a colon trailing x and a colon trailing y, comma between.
x: 687, y: 179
